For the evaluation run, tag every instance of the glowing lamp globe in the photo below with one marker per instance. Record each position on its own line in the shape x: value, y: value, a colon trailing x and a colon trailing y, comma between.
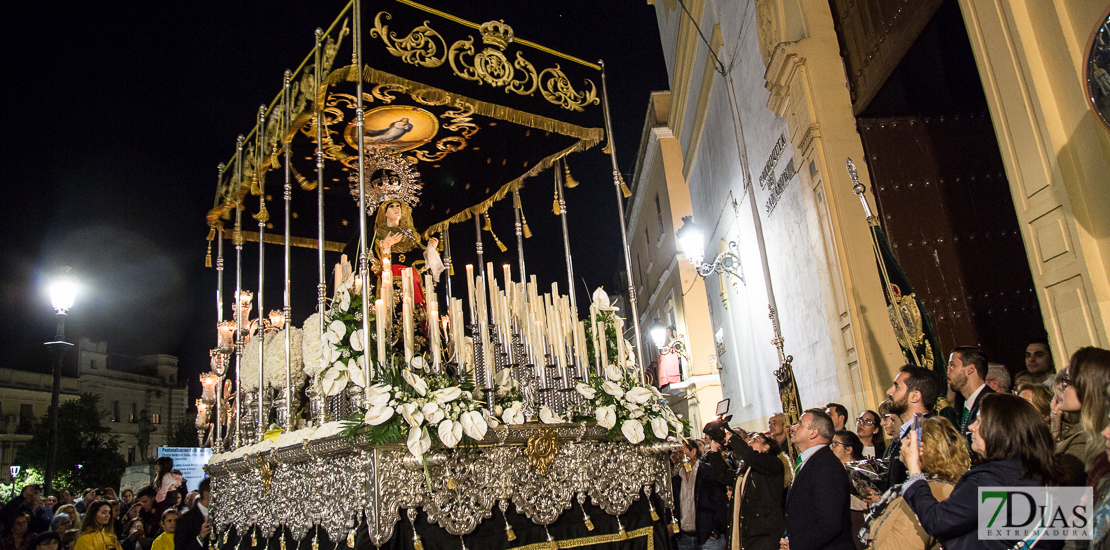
x: 658, y: 334
x: 62, y: 293
x: 691, y: 238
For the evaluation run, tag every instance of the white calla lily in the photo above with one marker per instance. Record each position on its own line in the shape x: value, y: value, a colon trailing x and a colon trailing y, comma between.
x: 343, y: 299
x: 354, y: 372
x: 613, y: 372
x: 474, y: 424
x: 418, y: 362
x: 334, y: 380
x: 335, y: 333
x: 378, y: 415
x: 503, y: 377
x: 331, y: 353
x: 433, y: 413
x: 638, y: 395
x: 633, y: 431
x: 419, y: 442
x: 356, y: 340
x: 491, y: 421
x: 411, y: 414
x: 587, y: 391
x: 548, y: 416
x: 416, y: 382
x: 450, y: 432
x: 447, y: 395
x: 659, y: 427
x: 606, y: 417
x: 378, y: 395
x: 613, y: 389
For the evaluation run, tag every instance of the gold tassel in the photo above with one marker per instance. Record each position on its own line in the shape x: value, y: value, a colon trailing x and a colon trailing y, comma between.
x: 489, y: 227
x: 550, y: 540
x: 263, y: 215
x: 569, y: 180
x: 351, y: 539
x: 208, y: 256
x: 527, y: 231
x: 555, y: 206
x: 624, y: 188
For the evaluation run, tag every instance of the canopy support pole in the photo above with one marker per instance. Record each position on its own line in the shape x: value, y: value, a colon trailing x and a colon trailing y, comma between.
x: 519, y: 234
x: 322, y: 283
x: 288, y: 309
x: 566, y: 236
x: 363, y: 259
x: 218, y: 441
x: 478, y: 247
x: 238, y: 239
x: 633, y: 311
x: 447, y: 256
x: 260, y: 155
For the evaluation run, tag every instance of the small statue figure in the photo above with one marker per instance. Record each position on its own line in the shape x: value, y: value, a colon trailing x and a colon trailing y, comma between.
x: 142, y: 436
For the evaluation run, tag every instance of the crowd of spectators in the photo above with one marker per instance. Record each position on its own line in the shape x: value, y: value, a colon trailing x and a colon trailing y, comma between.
x: 160, y: 516
x: 821, y: 485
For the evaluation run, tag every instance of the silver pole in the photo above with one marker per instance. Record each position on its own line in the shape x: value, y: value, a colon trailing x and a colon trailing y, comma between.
x: 519, y: 234
x: 288, y: 252
x: 261, y: 140
x: 363, y: 258
x: 634, y: 312
x: 218, y: 441
x: 566, y: 236
x: 238, y: 239
x: 322, y: 283
x: 447, y: 255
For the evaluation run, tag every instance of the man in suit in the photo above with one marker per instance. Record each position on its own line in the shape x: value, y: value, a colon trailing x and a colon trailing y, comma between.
x: 817, y: 504
x: 915, y: 390
x: 701, y: 504
x: 967, y: 374
x: 193, y: 528
x: 838, y: 413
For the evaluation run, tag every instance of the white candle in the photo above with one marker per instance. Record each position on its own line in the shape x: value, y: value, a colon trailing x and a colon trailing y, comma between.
x: 379, y: 312
x: 433, y: 334
x: 387, y: 292
x: 620, y: 343
x: 470, y: 292
x: 406, y: 312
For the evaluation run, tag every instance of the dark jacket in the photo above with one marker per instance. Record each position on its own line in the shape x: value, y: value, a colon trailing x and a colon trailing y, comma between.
x: 818, y: 511
x: 188, y: 528
x: 760, y: 494
x: 38, y: 522
x: 972, y: 413
x: 955, y: 520
x: 711, y: 513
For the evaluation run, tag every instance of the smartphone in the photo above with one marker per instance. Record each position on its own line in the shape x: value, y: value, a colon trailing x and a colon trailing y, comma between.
x: 918, y: 423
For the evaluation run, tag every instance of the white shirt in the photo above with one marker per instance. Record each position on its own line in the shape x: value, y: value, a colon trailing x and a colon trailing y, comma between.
x: 971, y: 399
x: 869, y: 452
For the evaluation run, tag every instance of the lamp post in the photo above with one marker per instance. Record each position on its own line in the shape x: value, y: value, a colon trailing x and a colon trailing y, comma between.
x: 14, y: 469
x: 62, y: 292
x: 659, y: 335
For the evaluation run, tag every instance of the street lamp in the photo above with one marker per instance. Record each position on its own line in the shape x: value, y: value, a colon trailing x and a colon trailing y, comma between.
x: 14, y: 469
x: 691, y: 238
x: 62, y: 293
x: 659, y: 335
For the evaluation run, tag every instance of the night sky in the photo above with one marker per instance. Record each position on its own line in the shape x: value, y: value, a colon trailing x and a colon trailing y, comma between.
x: 120, y: 112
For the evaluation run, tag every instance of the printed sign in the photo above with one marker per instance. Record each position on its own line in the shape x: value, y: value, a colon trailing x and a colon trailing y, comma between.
x: 190, y: 460
x: 1035, y: 513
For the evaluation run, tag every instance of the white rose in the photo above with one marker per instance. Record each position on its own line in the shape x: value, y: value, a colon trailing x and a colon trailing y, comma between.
x: 432, y: 412
x: 548, y: 416
x: 612, y: 389
x: 587, y: 391
x: 659, y: 427
x: 356, y: 340
x: 638, y: 395
x: 419, y: 441
x: 497, y: 410
x: 633, y: 431
x: 446, y: 395
x: 415, y: 381
x: 606, y: 417
x: 613, y: 372
x: 378, y: 415
x: 411, y: 414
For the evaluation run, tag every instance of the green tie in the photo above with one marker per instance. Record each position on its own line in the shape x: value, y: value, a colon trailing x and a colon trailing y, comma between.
x: 797, y: 465
x: 963, y: 419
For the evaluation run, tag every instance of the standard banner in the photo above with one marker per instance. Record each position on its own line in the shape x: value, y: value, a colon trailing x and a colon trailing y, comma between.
x: 190, y: 460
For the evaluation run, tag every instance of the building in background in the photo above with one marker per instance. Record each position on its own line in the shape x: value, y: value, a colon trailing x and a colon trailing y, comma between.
x: 669, y: 293
x: 969, y: 124
x: 128, y: 388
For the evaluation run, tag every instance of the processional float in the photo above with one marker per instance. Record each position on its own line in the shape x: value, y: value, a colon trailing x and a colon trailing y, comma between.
x: 404, y: 413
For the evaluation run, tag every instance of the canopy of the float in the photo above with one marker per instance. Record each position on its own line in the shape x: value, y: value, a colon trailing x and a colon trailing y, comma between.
x: 473, y: 109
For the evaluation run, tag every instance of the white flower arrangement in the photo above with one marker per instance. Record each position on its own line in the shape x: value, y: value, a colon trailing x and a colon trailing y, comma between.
x: 337, y: 356
x: 273, y: 360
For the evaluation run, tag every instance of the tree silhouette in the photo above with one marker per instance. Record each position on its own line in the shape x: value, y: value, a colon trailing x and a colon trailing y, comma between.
x: 88, y: 454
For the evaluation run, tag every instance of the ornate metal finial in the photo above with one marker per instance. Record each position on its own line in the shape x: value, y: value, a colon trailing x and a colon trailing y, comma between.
x: 857, y: 187
x: 496, y: 34
x: 239, y: 142
x: 319, y: 33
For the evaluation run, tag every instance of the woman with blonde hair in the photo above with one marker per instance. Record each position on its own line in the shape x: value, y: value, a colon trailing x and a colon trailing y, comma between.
x: 97, y: 529
x: 1039, y: 396
x: 946, y: 458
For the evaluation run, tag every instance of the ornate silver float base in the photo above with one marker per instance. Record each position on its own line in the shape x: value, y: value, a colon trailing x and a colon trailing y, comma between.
x: 333, y: 482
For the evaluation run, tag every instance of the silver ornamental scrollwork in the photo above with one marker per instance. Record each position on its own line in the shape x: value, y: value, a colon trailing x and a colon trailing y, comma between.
x: 334, y: 482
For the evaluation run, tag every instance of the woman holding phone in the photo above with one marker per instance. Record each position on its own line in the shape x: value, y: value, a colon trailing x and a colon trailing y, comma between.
x: 1015, y: 447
